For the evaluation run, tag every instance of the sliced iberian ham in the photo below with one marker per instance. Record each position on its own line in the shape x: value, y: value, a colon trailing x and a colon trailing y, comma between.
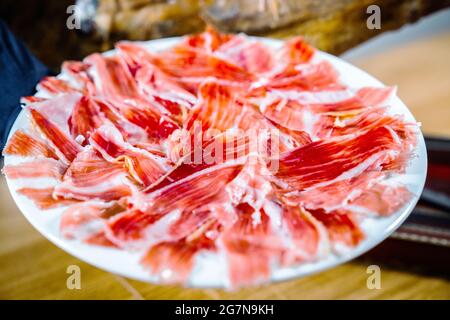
x: 305, y: 236
x: 143, y: 166
x: 86, y: 221
x: 114, y: 82
x: 46, y: 167
x: 152, y: 81
x: 90, y: 176
x: 155, y: 211
x: 44, y: 199
x: 25, y: 145
x: 342, y: 227
x: 210, y: 40
x: 250, y: 246
x: 323, y: 162
x: 252, y: 56
x: 51, y: 118
x: 173, y: 261
x: 55, y: 86
x: 220, y: 146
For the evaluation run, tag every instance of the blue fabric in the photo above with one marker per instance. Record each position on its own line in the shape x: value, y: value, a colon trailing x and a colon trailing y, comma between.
x: 20, y: 71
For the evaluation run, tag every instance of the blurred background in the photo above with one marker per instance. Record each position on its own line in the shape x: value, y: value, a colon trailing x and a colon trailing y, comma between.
x: 411, y: 49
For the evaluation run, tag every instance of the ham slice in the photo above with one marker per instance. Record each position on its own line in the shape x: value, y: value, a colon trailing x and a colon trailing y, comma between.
x: 51, y: 118
x: 382, y: 199
x: 44, y: 198
x: 218, y: 108
x: 252, y: 56
x: 38, y: 168
x: 192, y: 66
x: 114, y: 81
x: 304, y: 236
x: 85, y: 118
x: 184, y: 195
x: 311, y: 77
x: 210, y: 40
x: 152, y: 80
x: 296, y: 51
x: 55, y: 86
x: 22, y: 144
x: 250, y: 247
x: 91, y: 177
x: 342, y: 227
x: 324, y: 162
x: 172, y: 261
x: 86, y: 221
x: 143, y: 166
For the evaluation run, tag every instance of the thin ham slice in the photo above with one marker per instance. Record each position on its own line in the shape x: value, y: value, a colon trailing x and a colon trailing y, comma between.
x: 85, y: 118
x: 210, y: 40
x: 91, y: 177
x: 152, y: 80
x: 311, y: 77
x: 114, y: 81
x: 304, y: 240
x: 86, y: 221
x: 143, y: 166
x: 336, y: 195
x: 324, y: 162
x: 77, y: 71
x: 184, y: 195
x: 44, y: 198
x: 382, y: 199
x: 342, y: 227
x: 250, y: 247
x: 51, y: 119
x: 218, y: 108
x: 38, y: 168
x: 192, y: 66
x: 252, y: 56
x: 172, y: 261
x: 55, y: 86
x: 296, y: 51
x: 25, y: 145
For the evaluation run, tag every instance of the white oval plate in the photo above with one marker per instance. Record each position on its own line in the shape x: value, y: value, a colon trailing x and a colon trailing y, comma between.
x: 209, y: 271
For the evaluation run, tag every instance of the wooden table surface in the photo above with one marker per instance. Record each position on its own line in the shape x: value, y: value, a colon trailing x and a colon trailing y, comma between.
x: 33, y: 268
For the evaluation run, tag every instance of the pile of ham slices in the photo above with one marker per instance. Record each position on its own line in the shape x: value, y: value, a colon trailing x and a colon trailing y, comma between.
x: 110, y: 133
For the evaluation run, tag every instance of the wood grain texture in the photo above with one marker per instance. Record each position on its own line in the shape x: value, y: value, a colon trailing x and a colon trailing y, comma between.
x: 33, y: 268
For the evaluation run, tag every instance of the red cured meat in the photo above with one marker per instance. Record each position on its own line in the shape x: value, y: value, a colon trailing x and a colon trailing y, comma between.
x: 173, y: 261
x: 22, y: 144
x: 252, y: 56
x: 210, y: 40
x: 324, y: 161
x: 304, y: 234
x: 44, y: 199
x: 250, y: 247
x: 219, y: 145
x: 116, y: 83
x: 85, y: 118
x: 35, y: 169
x: 382, y: 199
x: 183, y: 195
x: 51, y: 118
x: 56, y: 86
x: 342, y: 227
x: 91, y: 177
x: 86, y: 222
x: 192, y: 65
x: 143, y: 166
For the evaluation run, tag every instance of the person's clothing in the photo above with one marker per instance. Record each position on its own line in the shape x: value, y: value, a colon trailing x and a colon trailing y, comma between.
x: 20, y: 71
